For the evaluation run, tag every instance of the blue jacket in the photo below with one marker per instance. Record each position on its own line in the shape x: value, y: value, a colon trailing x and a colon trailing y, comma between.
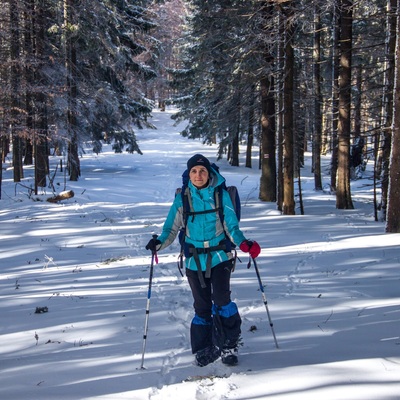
x: 204, y: 230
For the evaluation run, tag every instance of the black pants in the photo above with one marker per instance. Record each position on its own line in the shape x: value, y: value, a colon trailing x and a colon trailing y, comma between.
x: 217, y: 320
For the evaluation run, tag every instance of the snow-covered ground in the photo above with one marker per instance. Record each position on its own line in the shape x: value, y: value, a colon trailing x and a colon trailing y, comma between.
x: 331, y: 279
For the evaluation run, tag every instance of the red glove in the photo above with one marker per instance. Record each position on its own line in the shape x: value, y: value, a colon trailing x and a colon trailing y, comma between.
x: 252, y: 247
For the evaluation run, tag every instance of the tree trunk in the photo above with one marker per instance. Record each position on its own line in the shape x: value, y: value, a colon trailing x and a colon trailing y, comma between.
x: 343, y: 193
x: 29, y: 28
x: 357, y: 101
x: 388, y: 100
x: 288, y: 135
x: 61, y: 196
x: 70, y: 64
x: 267, y: 154
x: 279, y: 97
x: 250, y: 140
x: 325, y: 128
x: 41, y: 149
x: 268, y: 163
x: 15, y: 93
x: 250, y: 128
x: 335, y: 93
x: 235, y: 145
x: 317, y: 138
x: 393, y: 209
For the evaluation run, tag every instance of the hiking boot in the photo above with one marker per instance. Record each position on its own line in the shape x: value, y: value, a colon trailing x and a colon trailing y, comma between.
x: 230, y: 356
x: 207, y: 356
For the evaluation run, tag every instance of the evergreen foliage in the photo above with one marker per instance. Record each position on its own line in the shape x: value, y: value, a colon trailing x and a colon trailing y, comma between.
x: 74, y: 71
x: 84, y: 69
x: 108, y: 68
x: 214, y: 85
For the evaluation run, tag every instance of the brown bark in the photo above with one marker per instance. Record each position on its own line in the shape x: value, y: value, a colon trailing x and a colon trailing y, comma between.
x: 343, y: 193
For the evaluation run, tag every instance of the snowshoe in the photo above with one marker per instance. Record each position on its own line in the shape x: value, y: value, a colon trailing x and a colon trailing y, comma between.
x: 207, y: 356
x: 230, y: 356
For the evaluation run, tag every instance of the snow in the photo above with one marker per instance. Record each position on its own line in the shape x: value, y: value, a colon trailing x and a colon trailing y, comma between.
x: 331, y: 280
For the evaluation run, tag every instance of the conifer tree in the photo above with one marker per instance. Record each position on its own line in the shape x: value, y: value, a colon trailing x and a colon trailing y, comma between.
x: 109, y: 38
x: 215, y: 93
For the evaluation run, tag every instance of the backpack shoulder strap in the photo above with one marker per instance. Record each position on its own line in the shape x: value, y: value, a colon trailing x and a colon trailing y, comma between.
x: 235, y: 198
x: 186, y: 201
x: 218, y: 196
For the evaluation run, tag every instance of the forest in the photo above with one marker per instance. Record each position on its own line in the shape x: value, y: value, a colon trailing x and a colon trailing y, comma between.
x: 288, y: 76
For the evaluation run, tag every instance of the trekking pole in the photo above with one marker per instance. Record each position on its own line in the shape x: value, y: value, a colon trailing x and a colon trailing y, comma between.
x: 264, y: 298
x: 146, y: 322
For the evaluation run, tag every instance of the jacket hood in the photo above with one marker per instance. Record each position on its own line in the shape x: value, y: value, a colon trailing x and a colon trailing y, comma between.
x: 216, y: 178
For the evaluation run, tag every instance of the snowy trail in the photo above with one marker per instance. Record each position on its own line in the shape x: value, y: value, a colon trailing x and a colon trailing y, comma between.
x: 330, y: 276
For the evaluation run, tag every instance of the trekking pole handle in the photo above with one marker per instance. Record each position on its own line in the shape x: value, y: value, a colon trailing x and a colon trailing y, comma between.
x: 154, y: 238
x: 154, y: 252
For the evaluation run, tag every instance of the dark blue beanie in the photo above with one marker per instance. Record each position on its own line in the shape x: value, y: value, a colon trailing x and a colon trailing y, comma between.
x: 199, y: 159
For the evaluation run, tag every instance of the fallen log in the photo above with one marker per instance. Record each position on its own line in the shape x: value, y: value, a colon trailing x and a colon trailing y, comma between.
x: 61, y: 196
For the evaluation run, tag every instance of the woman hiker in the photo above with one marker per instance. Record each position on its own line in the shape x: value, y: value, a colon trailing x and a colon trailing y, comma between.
x: 215, y: 328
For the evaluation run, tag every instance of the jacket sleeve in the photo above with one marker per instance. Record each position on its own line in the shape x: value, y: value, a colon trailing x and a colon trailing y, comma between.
x: 231, y: 223
x: 172, y: 224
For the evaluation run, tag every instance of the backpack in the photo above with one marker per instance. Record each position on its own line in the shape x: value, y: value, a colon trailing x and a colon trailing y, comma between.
x: 218, y: 196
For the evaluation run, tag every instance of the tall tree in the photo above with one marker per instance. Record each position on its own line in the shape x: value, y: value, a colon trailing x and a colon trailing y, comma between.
x: 317, y: 129
x: 393, y: 210
x: 41, y: 131
x: 335, y: 92
x: 387, y: 101
x: 343, y: 192
x: 279, y: 119
x: 104, y: 95
x: 29, y: 29
x: 268, y: 128
x: 288, y: 116
x: 15, y: 80
x: 70, y: 25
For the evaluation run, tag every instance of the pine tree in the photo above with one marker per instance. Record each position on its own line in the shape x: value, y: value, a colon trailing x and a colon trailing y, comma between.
x: 215, y: 91
x: 111, y: 36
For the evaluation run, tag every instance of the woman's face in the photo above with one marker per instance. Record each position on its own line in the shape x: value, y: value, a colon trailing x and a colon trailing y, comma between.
x: 198, y: 175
